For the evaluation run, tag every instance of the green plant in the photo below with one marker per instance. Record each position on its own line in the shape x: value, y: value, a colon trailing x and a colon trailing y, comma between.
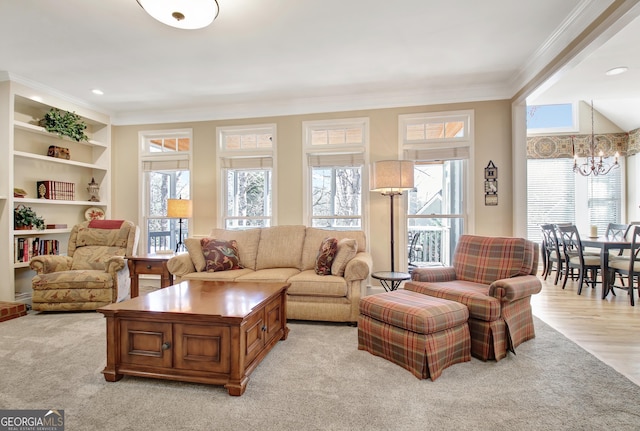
x: 65, y: 123
x: 25, y: 216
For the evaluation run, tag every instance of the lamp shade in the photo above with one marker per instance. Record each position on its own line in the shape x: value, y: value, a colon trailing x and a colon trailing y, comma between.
x: 179, y: 208
x: 184, y: 14
x: 392, y: 176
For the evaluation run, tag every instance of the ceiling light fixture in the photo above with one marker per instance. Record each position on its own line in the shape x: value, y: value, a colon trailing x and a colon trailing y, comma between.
x: 183, y: 14
x: 616, y: 70
x: 97, y: 91
x: 591, y: 164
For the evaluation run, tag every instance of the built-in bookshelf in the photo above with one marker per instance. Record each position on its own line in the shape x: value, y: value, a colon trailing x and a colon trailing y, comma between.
x: 26, y: 165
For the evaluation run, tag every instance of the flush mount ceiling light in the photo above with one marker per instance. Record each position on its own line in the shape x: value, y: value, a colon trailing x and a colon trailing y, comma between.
x: 616, y: 70
x: 184, y: 14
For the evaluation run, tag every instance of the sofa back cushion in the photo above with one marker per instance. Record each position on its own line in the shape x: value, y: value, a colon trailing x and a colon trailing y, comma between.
x: 247, y: 242
x: 281, y: 247
x: 315, y: 236
x: 484, y: 260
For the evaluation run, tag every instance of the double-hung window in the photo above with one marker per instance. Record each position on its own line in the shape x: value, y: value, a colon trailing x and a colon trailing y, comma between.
x: 246, y: 158
x: 335, y: 154
x: 440, y: 144
x: 165, y: 158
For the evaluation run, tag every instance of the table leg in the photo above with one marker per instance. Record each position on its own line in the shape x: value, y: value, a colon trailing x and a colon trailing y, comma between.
x: 166, y: 279
x: 604, y: 269
x: 134, y: 279
x: 390, y: 285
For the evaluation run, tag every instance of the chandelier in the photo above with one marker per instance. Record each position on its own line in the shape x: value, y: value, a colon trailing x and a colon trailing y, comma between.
x: 592, y: 164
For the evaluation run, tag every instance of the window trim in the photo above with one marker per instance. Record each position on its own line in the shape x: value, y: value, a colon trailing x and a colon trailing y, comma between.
x: 249, y: 153
x: 309, y: 150
x: 147, y: 156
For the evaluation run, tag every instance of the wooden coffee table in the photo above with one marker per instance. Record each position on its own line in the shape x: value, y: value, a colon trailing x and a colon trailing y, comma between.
x: 196, y: 331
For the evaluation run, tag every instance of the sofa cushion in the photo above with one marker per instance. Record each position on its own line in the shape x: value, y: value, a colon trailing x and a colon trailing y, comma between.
x: 281, y: 247
x: 347, y: 249
x: 326, y: 253
x: 247, y: 243
x: 273, y: 274
x: 308, y: 283
x: 220, y: 255
x: 314, y: 236
x: 486, y: 259
x: 194, y: 248
x: 474, y: 295
x: 94, y: 257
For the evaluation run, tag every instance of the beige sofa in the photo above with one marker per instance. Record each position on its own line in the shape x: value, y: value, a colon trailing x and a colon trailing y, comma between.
x: 288, y: 253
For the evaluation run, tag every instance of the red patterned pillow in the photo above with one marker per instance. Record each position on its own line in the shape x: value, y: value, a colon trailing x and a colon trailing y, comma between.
x: 325, y: 256
x: 220, y: 255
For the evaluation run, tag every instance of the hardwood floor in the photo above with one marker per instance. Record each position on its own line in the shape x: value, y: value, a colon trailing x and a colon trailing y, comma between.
x: 609, y: 328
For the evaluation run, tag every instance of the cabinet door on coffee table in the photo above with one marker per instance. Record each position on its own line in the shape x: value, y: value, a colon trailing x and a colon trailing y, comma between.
x: 202, y: 348
x: 273, y: 317
x: 146, y: 343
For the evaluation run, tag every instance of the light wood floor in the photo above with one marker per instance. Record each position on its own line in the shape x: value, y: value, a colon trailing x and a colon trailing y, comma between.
x: 609, y: 328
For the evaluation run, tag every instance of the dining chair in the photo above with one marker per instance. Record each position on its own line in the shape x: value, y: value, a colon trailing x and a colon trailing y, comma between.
x: 575, y: 257
x: 551, y: 252
x: 617, y: 232
x: 629, y: 267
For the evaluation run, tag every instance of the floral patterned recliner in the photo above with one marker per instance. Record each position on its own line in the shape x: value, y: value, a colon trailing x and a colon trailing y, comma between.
x: 93, y: 274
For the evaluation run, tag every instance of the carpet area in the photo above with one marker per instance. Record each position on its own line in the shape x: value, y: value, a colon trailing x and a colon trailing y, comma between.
x: 314, y: 380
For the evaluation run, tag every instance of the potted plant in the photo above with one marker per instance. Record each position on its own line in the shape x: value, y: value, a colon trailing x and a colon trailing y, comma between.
x: 26, y: 218
x: 65, y: 123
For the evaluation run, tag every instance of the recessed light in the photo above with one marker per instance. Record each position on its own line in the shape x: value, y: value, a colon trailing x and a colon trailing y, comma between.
x: 616, y: 70
x: 97, y: 91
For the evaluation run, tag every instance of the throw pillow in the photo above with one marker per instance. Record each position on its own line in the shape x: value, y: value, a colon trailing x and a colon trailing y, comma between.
x: 194, y: 247
x: 324, y: 259
x: 347, y: 249
x: 220, y: 255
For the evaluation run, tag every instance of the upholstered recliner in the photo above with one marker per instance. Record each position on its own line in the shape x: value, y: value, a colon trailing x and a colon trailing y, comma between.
x: 93, y: 274
x: 495, y: 278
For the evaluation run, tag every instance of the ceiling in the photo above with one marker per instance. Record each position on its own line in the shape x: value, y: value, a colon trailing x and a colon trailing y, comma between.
x: 281, y: 57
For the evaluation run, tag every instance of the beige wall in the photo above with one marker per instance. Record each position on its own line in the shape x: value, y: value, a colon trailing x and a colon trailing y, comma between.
x: 492, y: 142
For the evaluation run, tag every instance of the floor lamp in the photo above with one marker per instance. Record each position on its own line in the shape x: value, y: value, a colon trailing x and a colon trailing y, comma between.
x: 391, y: 178
x: 179, y: 208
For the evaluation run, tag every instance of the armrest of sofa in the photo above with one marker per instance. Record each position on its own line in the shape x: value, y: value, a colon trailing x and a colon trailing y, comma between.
x: 46, y: 264
x: 180, y: 265
x: 359, y: 267
x: 511, y: 289
x: 434, y: 274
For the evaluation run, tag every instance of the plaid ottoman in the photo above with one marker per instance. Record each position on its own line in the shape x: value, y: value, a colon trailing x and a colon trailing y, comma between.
x: 421, y: 333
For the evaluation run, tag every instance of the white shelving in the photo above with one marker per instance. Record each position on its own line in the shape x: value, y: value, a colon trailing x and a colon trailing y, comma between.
x: 26, y: 144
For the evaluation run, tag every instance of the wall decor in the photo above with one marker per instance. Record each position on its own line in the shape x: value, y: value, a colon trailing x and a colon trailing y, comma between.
x: 491, y: 184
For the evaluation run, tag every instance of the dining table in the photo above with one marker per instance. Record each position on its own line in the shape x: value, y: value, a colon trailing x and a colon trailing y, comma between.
x: 605, y: 244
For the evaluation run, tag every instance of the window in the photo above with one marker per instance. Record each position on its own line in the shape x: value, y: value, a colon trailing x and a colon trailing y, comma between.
x: 246, y: 159
x: 552, y: 118
x: 335, y: 155
x: 556, y: 194
x: 165, y: 160
x: 440, y: 146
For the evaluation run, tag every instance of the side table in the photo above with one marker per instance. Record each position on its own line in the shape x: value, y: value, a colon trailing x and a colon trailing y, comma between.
x: 391, y: 280
x: 149, y: 264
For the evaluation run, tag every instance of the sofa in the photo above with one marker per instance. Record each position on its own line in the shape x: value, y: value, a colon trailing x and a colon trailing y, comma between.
x: 495, y: 278
x: 293, y: 254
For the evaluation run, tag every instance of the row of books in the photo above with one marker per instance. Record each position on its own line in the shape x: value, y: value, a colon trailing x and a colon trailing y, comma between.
x: 57, y: 190
x: 26, y: 248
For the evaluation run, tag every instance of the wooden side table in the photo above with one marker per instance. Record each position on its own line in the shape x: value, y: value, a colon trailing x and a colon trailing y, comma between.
x: 149, y: 264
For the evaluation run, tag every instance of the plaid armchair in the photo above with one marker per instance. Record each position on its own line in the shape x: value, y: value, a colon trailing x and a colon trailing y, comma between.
x: 94, y: 272
x: 495, y: 278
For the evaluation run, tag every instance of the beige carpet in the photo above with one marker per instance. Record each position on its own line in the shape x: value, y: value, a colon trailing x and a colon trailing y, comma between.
x: 315, y: 380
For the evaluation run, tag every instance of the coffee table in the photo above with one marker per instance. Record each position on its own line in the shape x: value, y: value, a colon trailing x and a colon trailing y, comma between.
x: 211, y: 332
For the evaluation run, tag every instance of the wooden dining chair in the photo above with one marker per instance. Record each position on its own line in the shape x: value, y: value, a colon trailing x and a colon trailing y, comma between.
x: 551, y: 252
x: 629, y: 267
x: 575, y: 258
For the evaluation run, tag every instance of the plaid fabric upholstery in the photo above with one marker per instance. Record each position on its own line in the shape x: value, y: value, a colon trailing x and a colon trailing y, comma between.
x: 420, y: 333
x: 414, y: 312
x: 473, y: 295
x: 494, y: 278
x: 487, y: 259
